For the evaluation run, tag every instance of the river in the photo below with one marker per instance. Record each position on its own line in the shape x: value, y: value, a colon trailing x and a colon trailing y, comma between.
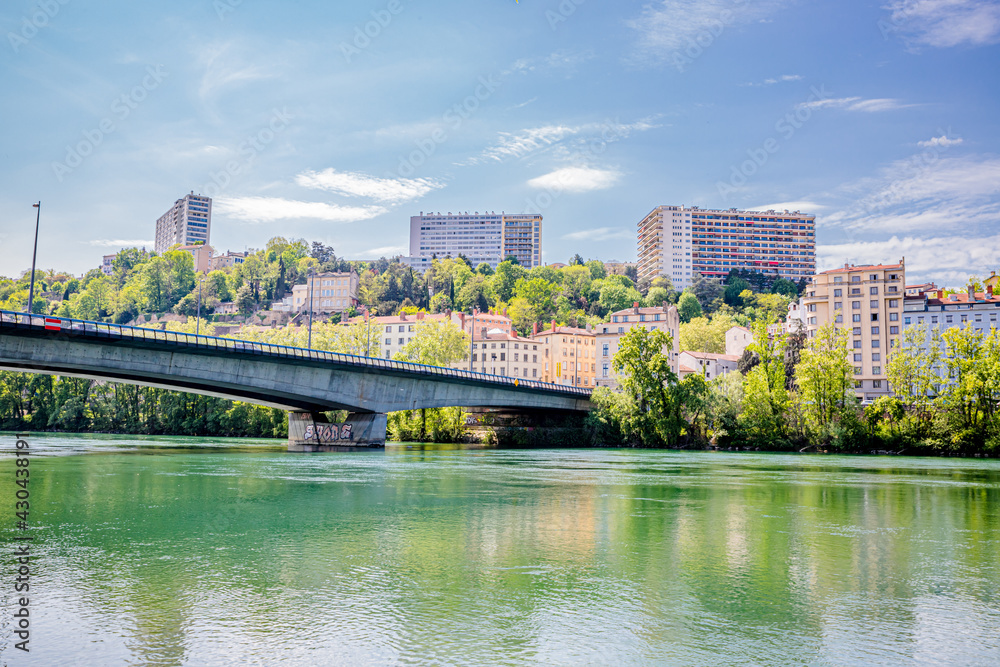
x: 175, y: 551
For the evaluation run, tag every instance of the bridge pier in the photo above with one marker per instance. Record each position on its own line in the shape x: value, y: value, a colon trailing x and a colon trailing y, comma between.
x: 313, y: 432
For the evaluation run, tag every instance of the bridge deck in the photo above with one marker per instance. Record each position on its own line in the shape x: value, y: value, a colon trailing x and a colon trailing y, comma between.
x: 22, y: 324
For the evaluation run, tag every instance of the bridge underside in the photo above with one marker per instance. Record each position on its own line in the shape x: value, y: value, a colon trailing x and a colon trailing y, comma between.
x: 306, y: 388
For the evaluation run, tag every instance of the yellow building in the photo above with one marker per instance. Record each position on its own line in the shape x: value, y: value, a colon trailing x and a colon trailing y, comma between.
x: 569, y: 355
x: 609, y: 336
x: 867, y: 301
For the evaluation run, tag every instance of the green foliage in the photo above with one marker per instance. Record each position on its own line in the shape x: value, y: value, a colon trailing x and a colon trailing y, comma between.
x: 652, y: 415
x: 702, y: 334
x: 823, y: 377
x: 436, y: 343
x: 688, y: 307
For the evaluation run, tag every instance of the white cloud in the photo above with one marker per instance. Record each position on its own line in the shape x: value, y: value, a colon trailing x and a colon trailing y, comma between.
x: 671, y: 29
x: 929, y: 190
x: 778, y: 79
x: 576, y: 179
x: 354, y: 184
x: 272, y: 209
x: 943, y: 141
x: 945, y: 23
x: 119, y: 243
x: 940, y: 258
x: 855, y: 104
x: 384, y: 251
x: 600, y: 234
x: 783, y: 78
x: 524, y: 142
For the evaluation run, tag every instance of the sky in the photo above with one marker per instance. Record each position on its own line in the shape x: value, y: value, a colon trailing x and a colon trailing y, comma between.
x: 336, y: 122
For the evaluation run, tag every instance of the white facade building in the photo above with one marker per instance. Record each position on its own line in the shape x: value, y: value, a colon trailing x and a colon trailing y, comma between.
x: 708, y: 364
x: 934, y: 313
x: 489, y: 238
x: 678, y: 242
x: 188, y: 222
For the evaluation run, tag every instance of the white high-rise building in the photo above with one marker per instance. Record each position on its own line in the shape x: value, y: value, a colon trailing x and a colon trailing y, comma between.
x: 679, y: 241
x: 188, y: 222
x: 489, y: 238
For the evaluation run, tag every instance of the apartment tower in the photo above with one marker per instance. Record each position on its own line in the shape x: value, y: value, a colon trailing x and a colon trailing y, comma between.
x: 490, y: 238
x: 188, y: 222
x: 678, y: 242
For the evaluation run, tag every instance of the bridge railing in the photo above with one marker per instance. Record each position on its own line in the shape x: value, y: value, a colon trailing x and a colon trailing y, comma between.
x: 108, y: 330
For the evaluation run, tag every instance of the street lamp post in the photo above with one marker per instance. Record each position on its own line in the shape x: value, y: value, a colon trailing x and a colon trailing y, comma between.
x: 197, y: 324
x: 34, y: 254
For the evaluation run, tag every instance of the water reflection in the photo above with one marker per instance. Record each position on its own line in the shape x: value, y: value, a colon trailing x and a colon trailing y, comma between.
x: 154, y: 554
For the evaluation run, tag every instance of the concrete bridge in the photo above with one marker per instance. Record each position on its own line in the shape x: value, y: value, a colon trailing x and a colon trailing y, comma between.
x: 304, y: 382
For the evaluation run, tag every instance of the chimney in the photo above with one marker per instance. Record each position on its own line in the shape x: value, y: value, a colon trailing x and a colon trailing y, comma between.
x: 534, y: 329
x: 972, y: 293
x: 420, y: 316
x: 989, y: 291
x: 553, y: 325
x: 483, y: 334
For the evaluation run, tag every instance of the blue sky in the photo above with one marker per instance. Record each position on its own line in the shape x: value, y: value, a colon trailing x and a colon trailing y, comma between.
x: 338, y: 121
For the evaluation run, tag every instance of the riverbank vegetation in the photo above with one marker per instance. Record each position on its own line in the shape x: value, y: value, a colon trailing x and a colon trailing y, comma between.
x: 797, y: 396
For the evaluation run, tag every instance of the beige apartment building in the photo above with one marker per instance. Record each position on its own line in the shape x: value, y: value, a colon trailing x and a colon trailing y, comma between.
x: 569, y: 355
x: 202, y: 255
x: 867, y: 301
x: 507, y: 354
x: 329, y: 293
x: 608, y: 337
x: 394, y: 332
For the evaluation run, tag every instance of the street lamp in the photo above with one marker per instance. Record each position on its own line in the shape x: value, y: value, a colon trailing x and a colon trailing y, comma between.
x: 34, y: 254
x: 197, y: 324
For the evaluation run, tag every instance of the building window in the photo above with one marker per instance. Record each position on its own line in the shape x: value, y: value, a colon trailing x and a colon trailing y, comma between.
x: 856, y: 305
x: 894, y: 317
x: 856, y: 317
x: 859, y: 384
x: 876, y: 370
x: 876, y: 356
x: 876, y: 384
x: 857, y: 345
x: 874, y: 331
x: 838, y: 292
x: 857, y: 356
x: 893, y: 330
x: 604, y: 369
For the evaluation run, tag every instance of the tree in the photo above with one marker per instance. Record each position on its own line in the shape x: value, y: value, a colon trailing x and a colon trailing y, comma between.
x: 644, y: 374
x: 785, y: 287
x: 440, y: 303
x: 597, y: 270
x: 436, y: 343
x: 484, y: 269
x: 766, y: 400
x: 576, y: 260
x: 734, y: 287
x: 505, y: 278
x: 688, y: 307
x: 704, y: 335
x: 244, y: 300
x: 707, y: 290
x: 914, y: 368
x: 614, y: 296
x: 823, y: 377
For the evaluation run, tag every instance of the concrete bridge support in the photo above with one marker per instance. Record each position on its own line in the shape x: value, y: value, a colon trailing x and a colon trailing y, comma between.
x: 313, y: 432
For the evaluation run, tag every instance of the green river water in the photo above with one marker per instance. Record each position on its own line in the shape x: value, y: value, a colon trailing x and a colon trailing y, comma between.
x: 177, y: 551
